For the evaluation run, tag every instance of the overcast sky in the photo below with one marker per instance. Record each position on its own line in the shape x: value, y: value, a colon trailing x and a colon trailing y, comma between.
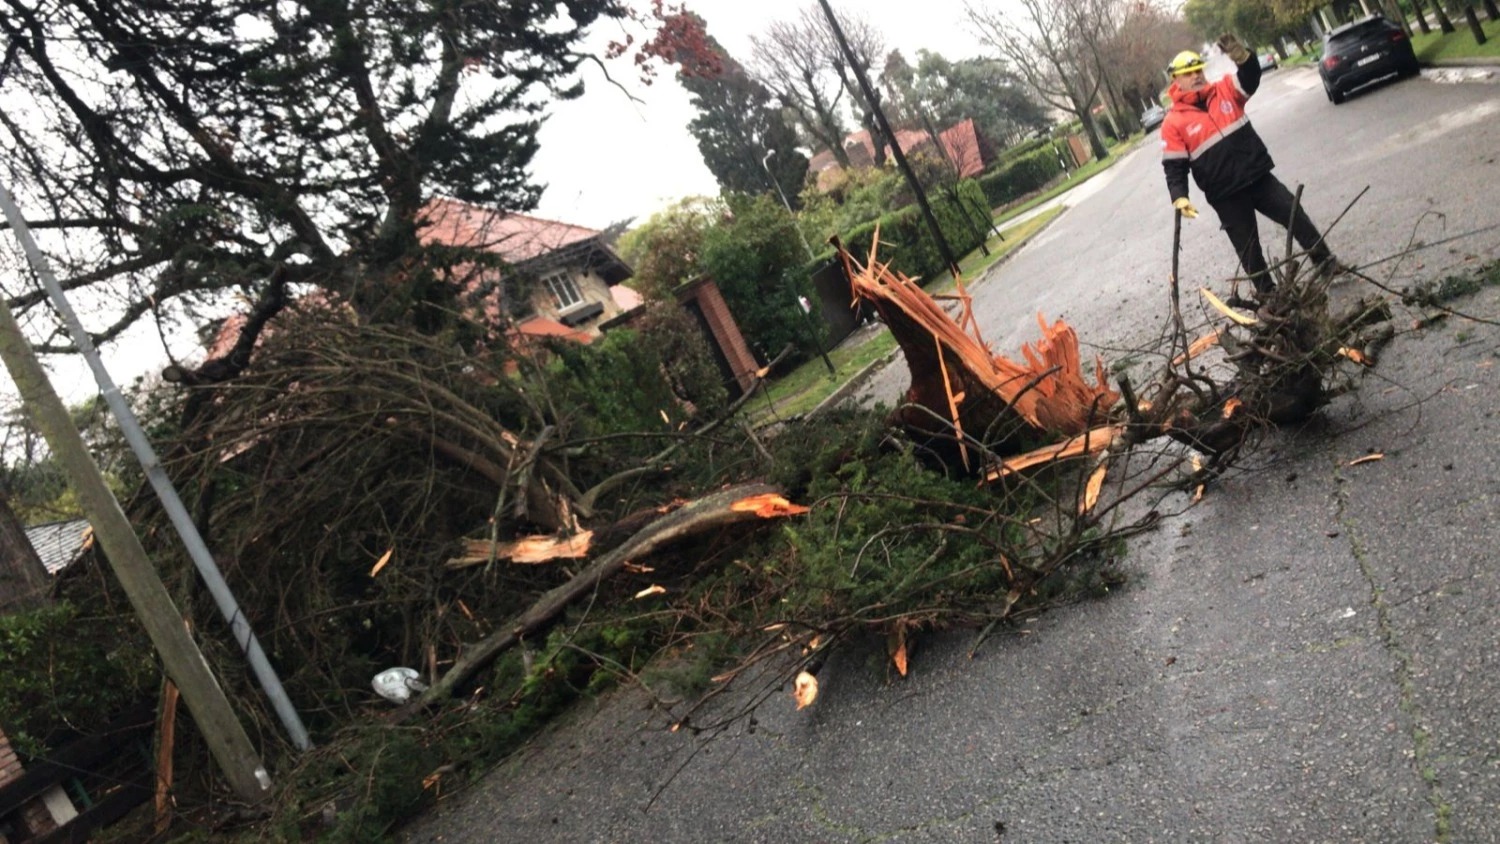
x: 605, y: 158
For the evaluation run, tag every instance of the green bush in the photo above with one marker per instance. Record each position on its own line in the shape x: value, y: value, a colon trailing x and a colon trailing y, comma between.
x: 1023, y: 148
x: 651, y: 376
x: 907, y: 244
x: 66, y: 673
x: 1022, y: 176
x: 754, y: 257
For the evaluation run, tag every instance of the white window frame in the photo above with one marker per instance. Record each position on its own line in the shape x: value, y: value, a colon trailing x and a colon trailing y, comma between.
x: 564, y: 290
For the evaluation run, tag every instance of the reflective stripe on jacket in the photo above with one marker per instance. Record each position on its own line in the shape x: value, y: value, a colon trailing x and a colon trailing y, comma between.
x: 1207, y: 132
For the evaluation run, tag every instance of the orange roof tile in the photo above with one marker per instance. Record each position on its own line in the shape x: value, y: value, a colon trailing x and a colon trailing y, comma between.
x: 961, y: 140
x: 516, y: 237
x: 544, y: 327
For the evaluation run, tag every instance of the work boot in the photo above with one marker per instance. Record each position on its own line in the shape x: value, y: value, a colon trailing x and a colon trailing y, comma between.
x: 1330, y: 268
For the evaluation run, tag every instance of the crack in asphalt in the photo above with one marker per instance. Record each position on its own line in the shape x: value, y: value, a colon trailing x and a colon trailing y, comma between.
x: 1420, y: 735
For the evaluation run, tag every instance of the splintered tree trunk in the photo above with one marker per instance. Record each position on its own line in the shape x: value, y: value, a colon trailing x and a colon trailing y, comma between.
x: 962, y: 391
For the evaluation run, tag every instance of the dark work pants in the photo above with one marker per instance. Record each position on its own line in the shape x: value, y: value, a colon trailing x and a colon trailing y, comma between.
x: 1271, y: 198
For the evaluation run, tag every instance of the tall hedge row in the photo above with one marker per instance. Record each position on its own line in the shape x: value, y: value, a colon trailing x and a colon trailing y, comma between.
x: 906, y: 242
x: 1023, y: 175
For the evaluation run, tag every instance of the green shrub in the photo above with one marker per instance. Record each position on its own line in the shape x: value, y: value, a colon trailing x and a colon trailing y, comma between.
x: 908, y: 245
x: 1023, y: 148
x: 1023, y: 175
x: 754, y: 257
x: 65, y: 672
x: 651, y: 376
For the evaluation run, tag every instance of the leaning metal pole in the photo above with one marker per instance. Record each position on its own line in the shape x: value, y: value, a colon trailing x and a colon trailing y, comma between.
x: 157, y: 476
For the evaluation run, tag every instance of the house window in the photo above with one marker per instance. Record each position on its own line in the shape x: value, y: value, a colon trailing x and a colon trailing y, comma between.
x: 564, y: 291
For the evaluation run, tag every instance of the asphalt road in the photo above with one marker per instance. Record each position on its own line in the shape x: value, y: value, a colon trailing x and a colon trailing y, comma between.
x: 1419, y: 160
x: 1311, y: 653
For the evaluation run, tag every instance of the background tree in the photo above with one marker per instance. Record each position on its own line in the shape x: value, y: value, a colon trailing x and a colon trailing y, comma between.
x: 666, y: 250
x: 792, y: 60
x: 947, y: 92
x: 1208, y: 18
x: 752, y: 254
x: 868, y: 47
x: 1043, y: 45
x: 1141, y: 48
x: 897, y: 83
x: 739, y: 121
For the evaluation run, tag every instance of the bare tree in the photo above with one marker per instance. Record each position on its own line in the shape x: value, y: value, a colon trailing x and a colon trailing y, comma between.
x: 1145, y: 41
x: 1096, y: 24
x: 1045, y: 47
x: 868, y: 46
x: 792, y: 59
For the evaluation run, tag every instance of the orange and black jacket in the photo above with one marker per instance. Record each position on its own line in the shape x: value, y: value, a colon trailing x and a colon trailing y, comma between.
x: 1207, y: 132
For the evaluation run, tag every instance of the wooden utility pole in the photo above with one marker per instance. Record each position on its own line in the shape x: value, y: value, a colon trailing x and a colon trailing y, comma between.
x: 23, y: 578
x: 222, y: 731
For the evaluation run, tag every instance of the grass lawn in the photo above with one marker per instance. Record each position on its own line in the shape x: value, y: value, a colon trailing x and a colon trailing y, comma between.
x: 1435, y: 46
x: 1460, y: 43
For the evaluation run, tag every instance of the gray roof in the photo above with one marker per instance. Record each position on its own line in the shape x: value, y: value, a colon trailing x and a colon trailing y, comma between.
x: 58, y: 543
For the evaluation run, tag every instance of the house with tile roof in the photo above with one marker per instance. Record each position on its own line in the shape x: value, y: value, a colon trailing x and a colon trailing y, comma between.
x: 30, y: 808
x: 559, y: 279
x: 961, y: 143
x: 58, y: 544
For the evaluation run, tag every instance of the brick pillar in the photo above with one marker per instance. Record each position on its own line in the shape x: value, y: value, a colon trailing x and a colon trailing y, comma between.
x: 725, y: 331
x: 10, y: 766
x: 1082, y: 152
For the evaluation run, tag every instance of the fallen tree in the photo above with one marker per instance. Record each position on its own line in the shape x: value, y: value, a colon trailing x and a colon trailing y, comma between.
x: 519, y: 552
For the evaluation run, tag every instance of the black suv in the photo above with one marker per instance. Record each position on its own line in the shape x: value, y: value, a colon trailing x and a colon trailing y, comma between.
x: 1363, y: 53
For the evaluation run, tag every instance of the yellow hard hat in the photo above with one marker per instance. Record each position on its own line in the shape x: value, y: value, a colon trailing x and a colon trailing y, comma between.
x: 1186, y: 61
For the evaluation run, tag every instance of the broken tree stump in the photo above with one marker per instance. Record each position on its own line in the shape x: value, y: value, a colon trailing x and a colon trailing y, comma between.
x: 960, y: 388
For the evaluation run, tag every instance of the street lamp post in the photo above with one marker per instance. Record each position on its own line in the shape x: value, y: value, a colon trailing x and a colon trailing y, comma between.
x: 765, y: 162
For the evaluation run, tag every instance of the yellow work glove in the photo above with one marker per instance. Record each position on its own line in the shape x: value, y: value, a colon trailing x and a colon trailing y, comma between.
x: 1232, y: 48
x: 1185, y: 207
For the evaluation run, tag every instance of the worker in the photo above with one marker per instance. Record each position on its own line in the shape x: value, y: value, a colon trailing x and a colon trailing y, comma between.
x: 1207, y: 132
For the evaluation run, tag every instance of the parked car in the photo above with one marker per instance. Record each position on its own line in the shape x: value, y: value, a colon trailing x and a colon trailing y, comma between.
x: 1268, y: 61
x: 1152, y: 117
x: 1363, y: 53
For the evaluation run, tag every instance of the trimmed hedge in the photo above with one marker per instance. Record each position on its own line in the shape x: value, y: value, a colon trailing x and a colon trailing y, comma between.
x: 1023, y: 175
x: 1023, y: 148
x: 906, y: 243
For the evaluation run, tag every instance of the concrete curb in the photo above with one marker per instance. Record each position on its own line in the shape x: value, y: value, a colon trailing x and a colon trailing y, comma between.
x: 1477, y: 62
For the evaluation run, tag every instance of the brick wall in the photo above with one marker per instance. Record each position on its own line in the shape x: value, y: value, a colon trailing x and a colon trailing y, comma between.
x: 34, y: 815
